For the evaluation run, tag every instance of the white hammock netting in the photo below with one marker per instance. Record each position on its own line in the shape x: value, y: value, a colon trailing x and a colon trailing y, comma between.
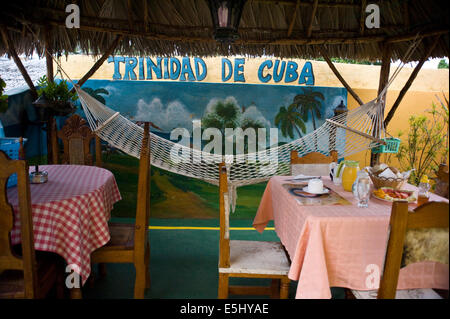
x: 350, y: 135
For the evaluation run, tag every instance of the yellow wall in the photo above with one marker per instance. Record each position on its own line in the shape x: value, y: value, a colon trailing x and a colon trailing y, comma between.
x: 362, y: 78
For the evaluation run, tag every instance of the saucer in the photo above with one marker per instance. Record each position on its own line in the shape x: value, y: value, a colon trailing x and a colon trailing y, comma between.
x: 324, y: 191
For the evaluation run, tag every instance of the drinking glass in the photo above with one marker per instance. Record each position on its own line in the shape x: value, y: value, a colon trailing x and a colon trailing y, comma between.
x: 363, y: 189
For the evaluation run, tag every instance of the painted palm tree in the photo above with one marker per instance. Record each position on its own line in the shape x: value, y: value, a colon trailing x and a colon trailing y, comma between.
x: 288, y: 120
x: 96, y: 94
x: 309, y: 102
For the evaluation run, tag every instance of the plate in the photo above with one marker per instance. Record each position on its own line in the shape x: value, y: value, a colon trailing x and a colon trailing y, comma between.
x: 410, y: 199
x: 325, y: 191
x: 297, y: 191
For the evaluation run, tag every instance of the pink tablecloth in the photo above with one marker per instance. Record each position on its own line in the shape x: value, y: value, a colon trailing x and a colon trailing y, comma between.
x: 70, y: 212
x: 338, y: 246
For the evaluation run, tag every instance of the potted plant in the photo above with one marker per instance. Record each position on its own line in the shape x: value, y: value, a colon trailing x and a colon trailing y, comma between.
x: 55, y: 99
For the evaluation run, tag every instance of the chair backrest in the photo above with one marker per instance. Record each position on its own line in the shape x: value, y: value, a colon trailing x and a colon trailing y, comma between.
x: 442, y: 181
x: 76, y: 137
x: 9, y: 260
x: 143, y: 194
x: 224, y: 211
x: 313, y: 163
x: 429, y: 215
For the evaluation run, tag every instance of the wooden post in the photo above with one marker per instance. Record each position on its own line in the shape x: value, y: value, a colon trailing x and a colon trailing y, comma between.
x: 384, y: 79
x: 100, y: 61
x: 13, y: 53
x: 324, y: 53
x: 54, y: 141
x: 51, y: 123
x: 410, y: 81
x: 48, y: 53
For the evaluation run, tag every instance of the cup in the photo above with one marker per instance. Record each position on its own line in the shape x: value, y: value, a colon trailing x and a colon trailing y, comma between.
x: 363, y: 191
x: 315, y: 186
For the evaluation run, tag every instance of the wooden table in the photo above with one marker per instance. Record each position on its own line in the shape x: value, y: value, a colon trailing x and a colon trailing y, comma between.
x: 70, y: 212
x: 338, y: 245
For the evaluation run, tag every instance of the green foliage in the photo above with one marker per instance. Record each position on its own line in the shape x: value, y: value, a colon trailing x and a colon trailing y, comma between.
x: 288, y: 120
x: 350, y: 61
x: 309, y: 102
x: 96, y: 94
x: 427, y: 144
x: 55, y: 92
x: 3, y: 97
x: 442, y: 64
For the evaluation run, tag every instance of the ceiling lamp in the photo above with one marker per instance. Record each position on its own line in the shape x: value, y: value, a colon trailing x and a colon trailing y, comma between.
x: 226, y: 15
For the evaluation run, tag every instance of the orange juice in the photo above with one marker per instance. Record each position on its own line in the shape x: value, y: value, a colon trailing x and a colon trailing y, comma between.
x: 349, y: 174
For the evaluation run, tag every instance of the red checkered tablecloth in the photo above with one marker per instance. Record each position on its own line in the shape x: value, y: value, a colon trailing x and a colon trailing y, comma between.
x: 70, y: 212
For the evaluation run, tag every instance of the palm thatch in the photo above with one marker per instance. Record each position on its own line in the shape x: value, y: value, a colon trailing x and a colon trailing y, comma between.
x: 285, y: 29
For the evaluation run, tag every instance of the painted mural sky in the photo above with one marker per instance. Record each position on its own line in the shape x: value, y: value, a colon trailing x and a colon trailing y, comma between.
x: 172, y: 104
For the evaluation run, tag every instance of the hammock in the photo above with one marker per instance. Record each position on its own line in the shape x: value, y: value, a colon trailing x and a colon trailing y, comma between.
x: 347, y: 133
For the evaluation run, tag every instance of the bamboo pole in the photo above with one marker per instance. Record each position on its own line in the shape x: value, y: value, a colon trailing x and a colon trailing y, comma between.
x: 100, y: 61
x: 311, y: 22
x: 410, y: 81
x: 13, y: 53
x: 294, y: 16
x: 362, y: 17
x: 324, y: 53
x: 145, y: 4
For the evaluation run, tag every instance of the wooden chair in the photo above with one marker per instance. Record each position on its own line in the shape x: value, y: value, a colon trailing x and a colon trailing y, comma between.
x: 312, y: 163
x: 76, y: 137
x: 129, y: 243
x: 429, y: 215
x: 22, y: 275
x: 248, y: 259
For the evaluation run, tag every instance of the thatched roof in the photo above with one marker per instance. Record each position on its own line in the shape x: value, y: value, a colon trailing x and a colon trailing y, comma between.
x: 184, y: 27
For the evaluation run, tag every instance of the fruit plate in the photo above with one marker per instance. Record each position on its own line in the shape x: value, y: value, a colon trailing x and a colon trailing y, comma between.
x: 392, y: 195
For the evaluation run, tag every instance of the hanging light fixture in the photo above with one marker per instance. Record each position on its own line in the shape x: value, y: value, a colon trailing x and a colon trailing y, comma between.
x: 226, y: 15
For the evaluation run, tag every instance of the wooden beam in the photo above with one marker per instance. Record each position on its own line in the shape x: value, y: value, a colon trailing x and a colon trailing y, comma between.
x: 145, y: 5
x: 294, y: 16
x: 311, y: 22
x: 206, y: 39
x: 324, y: 53
x: 410, y: 81
x: 100, y: 61
x: 307, y: 4
x: 129, y: 14
x: 362, y: 17
x: 13, y: 53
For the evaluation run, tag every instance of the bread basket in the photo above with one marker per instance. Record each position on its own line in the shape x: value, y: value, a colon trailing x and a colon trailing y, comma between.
x: 383, y: 181
x: 395, y: 183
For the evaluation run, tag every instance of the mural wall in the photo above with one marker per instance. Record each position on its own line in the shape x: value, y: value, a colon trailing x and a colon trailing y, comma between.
x: 176, y: 92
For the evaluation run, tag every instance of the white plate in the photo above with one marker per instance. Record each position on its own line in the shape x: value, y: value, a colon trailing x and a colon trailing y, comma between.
x: 325, y: 191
